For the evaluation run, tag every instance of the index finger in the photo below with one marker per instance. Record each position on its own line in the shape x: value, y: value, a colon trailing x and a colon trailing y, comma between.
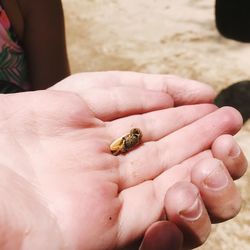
x: 183, y: 91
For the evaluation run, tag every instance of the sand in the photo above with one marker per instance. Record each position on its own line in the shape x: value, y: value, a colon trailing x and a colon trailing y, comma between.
x: 171, y: 37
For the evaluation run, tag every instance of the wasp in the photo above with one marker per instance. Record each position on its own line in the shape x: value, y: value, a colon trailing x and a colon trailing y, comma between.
x: 124, y: 143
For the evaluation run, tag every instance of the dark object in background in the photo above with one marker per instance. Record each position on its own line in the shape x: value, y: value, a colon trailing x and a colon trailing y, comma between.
x: 8, y: 87
x: 236, y: 95
x: 233, y: 19
x: 233, y: 22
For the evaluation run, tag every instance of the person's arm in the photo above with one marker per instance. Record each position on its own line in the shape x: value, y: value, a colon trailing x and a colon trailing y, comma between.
x: 44, y: 42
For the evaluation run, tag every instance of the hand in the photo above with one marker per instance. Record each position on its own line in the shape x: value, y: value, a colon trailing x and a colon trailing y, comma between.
x: 69, y: 187
x: 216, y: 188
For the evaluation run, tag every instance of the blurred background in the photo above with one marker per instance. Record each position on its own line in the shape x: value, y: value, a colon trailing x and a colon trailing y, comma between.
x: 171, y: 37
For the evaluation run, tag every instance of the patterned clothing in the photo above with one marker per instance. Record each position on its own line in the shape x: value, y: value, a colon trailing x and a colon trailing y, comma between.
x: 12, y: 60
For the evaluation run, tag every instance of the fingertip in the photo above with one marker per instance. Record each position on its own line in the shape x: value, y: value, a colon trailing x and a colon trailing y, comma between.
x: 181, y: 195
x: 162, y: 235
x: 187, y: 91
x: 226, y: 149
x: 217, y: 189
x: 185, y: 208
x: 231, y: 119
x: 206, y: 92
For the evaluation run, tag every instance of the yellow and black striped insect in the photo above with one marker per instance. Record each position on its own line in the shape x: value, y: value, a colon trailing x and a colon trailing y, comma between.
x: 126, y: 142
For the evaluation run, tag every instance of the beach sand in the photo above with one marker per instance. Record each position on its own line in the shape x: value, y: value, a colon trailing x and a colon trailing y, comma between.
x: 171, y: 37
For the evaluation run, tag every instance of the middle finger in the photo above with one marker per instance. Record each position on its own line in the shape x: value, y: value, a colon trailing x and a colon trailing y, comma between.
x: 153, y: 157
x: 157, y: 124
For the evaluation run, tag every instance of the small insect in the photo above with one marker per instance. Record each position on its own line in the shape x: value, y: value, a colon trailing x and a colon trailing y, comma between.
x: 124, y: 143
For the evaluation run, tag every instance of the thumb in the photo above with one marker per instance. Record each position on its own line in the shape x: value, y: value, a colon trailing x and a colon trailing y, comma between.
x: 162, y: 235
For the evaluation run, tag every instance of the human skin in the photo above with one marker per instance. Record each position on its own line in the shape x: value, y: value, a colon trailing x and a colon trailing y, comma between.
x: 39, y: 26
x: 63, y: 189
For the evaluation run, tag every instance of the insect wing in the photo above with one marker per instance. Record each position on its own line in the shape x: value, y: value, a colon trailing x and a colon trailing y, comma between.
x: 117, y: 146
x: 126, y: 142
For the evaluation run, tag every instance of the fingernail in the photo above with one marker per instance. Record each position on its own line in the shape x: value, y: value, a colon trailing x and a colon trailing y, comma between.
x: 192, y: 212
x: 217, y: 179
x: 235, y: 151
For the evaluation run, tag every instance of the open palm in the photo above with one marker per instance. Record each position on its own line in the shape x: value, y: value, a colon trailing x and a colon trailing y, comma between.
x: 83, y: 195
